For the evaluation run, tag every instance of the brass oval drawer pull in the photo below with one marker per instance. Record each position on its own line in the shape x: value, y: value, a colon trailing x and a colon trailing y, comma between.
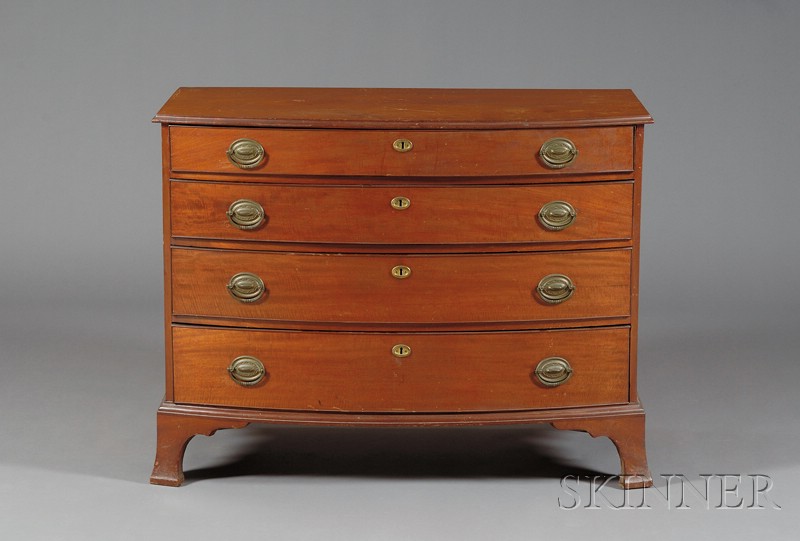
x: 400, y: 203
x: 555, y: 288
x: 402, y: 145
x: 245, y: 153
x: 557, y: 215
x: 246, y: 214
x: 553, y: 371
x: 558, y: 152
x: 246, y: 287
x: 401, y: 351
x: 246, y: 371
x: 401, y: 272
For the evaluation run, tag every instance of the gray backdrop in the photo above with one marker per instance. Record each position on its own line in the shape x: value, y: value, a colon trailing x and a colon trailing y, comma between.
x: 80, y: 266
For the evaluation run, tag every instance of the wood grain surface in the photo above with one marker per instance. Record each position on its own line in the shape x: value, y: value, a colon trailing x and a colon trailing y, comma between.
x: 370, y: 152
x: 453, y: 372
x: 436, y: 215
x: 440, y: 289
x: 407, y: 107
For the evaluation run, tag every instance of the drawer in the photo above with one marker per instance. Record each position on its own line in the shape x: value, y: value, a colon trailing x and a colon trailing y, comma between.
x: 372, y: 153
x: 358, y: 288
x: 425, y: 215
x: 358, y: 371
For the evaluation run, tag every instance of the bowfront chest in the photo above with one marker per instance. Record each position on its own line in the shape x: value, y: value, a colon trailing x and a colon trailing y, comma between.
x: 401, y: 257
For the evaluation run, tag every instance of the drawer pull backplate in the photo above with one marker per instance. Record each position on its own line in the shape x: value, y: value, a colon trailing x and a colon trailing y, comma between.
x: 558, y: 152
x: 553, y: 371
x: 245, y: 214
x: 555, y: 288
x: 246, y: 287
x: 245, y: 153
x: 246, y: 370
x: 557, y: 215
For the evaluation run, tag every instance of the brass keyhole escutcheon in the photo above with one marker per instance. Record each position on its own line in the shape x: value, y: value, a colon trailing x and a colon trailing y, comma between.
x: 401, y: 272
x: 402, y: 145
x: 400, y: 203
x: 401, y: 351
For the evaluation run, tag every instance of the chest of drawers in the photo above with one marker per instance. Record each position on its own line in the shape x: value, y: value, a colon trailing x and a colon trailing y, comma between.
x: 398, y: 257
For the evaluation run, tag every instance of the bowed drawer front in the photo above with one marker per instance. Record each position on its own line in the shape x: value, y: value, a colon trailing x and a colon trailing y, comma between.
x: 404, y: 214
x: 397, y: 257
x: 398, y: 289
x: 396, y: 153
x: 360, y: 373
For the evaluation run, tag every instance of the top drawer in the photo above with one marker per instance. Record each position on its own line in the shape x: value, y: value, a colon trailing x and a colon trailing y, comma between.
x: 401, y: 153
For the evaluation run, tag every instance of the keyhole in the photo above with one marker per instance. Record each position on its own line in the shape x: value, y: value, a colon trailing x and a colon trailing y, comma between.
x: 400, y: 203
x: 401, y: 272
x: 402, y: 145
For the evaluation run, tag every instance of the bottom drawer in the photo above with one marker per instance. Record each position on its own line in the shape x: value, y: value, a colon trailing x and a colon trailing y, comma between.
x: 392, y: 372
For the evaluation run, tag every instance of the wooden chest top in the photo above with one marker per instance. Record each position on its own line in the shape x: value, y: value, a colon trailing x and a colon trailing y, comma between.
x: 387, y: 108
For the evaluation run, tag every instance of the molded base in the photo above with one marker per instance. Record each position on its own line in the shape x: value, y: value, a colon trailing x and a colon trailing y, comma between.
x: 623, y: 424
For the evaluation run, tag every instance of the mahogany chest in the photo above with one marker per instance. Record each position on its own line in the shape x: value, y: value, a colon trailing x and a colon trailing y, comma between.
x: 401, y: 257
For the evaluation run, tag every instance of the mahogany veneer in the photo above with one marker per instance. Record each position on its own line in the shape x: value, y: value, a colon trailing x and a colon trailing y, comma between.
x: 438, y: 153
x: 401, y: 257
x: 358, y: 372
x: 498, y: 215
x: 359, y: 289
